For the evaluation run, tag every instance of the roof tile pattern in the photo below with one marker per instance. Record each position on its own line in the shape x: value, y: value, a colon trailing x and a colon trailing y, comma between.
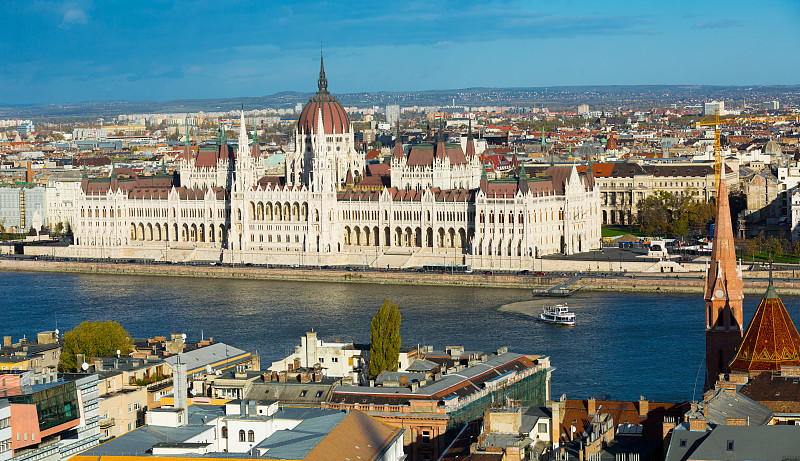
x: 771, y: 339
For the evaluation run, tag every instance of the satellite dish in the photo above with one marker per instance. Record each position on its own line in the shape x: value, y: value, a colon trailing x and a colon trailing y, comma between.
x: 57, y: 332
x: 118, y: 352
x: 183, y: 336
x: 209, y: 370
x: 85, y: 366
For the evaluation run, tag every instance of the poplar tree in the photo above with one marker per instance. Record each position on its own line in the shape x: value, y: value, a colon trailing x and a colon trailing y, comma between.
x: 384, y: 350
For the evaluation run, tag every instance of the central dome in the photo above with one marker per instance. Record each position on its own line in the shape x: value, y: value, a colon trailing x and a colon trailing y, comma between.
x: 334, y: 117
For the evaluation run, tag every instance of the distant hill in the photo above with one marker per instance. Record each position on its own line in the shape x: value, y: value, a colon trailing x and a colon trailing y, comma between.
x: 558, y: 97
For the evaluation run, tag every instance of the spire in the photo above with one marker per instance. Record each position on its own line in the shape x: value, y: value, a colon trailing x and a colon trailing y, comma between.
x: 522, y: 183
x: 723, y: 294
x: 256, y: 150
x: 84, y: 175
x: 112, y: 176
x: 243, y: 140
x: 484, y: 179
x: 440, y: 147
x: 470, y: 153
x: 398, y: 144
x: 322, y: 83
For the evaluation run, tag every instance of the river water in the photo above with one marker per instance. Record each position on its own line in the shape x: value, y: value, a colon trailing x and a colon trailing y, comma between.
x: 623, y: 346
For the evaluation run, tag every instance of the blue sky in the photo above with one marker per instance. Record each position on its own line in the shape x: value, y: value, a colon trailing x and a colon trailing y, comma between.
x: 75, y: 50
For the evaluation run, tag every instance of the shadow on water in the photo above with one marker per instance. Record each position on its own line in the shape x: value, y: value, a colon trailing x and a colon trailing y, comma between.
x: 624, y: 345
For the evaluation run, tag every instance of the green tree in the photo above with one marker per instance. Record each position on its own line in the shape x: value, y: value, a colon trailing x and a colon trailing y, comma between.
x: 93, y: 339
x: 59, y: 227
x: 384, y: 350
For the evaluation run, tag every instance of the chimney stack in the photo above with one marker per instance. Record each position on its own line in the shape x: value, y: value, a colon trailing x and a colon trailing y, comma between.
x: 644, y: 406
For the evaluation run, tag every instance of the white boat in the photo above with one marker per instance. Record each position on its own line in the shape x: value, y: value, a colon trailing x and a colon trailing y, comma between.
x: 558, y: 314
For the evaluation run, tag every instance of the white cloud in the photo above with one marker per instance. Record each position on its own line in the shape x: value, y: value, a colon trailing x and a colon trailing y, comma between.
x: 74, y: 13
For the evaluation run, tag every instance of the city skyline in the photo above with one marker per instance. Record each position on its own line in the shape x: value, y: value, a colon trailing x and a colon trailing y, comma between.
x: 83, y: 50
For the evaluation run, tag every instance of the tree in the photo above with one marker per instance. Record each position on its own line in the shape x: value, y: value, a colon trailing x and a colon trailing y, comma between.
x: 93, y: 339
x: 59, y: 227
x: 384, y: 350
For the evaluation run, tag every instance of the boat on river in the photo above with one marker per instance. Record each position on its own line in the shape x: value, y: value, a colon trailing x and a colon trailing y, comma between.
x: 558, y: 314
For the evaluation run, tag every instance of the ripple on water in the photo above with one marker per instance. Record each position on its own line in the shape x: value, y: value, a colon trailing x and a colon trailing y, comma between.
x: 623, y: 345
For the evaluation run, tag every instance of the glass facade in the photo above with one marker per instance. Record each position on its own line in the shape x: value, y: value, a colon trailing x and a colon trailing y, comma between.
x: 55, y: 404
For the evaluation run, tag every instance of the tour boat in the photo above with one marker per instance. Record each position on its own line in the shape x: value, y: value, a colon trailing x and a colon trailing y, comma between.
x: 558, y: 314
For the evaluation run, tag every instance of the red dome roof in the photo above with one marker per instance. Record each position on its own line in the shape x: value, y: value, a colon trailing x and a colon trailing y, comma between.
x: 334, y: 117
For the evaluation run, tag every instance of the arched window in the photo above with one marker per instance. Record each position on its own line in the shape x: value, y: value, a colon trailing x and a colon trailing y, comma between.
x: 224, y: 432
x: 241, y: 435
x: 251, y: 436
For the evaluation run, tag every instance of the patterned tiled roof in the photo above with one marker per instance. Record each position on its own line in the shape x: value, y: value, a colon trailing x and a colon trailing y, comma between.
x: 771, y: 340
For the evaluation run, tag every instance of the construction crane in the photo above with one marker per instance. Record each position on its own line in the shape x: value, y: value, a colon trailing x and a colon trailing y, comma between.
x: 716, y: 122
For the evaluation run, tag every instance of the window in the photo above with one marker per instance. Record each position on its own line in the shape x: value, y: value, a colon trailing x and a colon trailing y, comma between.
x: 241, y: 435
x: 135, y: 406
x: 251, y: 436
x: 322, y: 360
x: 224, y: 432
x: 303, y: 393
x: 426, y: 437
x: 730, y: 445
x: 334, y: 359
x: 682, y: 443
x: 542, y: 428
x: 319, y: 394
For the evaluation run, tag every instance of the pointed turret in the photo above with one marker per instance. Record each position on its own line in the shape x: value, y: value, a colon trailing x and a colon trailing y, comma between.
x: 470, y: 143
x: 223, y: 143
x: 112, y: 178
x: 771, y: 340
x: 188, y: 143
x: 398, y: 144
x: 723, y: 294
x: 440, y: 148
x: 244, y: 141
x: 484, y: 179
x: 349, y: 181
x: 256, y: 150
x: 522, y: 182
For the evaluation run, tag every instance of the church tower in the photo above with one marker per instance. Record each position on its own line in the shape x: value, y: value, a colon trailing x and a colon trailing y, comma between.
x: 723, y: 295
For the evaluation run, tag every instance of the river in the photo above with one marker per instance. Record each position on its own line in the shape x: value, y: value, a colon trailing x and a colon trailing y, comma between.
x: 623, y: 345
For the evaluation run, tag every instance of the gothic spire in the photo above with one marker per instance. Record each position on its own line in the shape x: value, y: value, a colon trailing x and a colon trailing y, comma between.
x: 522, y: 183
x: 398, y: 144
x: 723, y: 294
x: 470, y: 153
x: 440, y: 147
x: 322, y: 83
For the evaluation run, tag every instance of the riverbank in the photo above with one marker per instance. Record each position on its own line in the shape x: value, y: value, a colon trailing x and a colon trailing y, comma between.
x: 631, y: 283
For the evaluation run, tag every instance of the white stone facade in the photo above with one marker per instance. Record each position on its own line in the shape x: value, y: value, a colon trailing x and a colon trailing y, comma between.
x: 228, y: 212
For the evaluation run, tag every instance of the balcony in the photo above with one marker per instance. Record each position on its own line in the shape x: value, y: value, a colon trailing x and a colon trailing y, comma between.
x: 106, y: 423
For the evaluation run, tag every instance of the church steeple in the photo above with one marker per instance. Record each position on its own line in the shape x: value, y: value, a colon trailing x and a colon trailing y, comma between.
x: 723, y: 294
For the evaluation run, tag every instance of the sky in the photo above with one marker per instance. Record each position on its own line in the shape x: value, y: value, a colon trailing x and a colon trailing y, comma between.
x: 86, y: 50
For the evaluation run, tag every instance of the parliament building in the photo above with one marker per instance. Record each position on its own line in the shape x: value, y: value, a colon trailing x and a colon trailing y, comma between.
x: 430, y: 204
